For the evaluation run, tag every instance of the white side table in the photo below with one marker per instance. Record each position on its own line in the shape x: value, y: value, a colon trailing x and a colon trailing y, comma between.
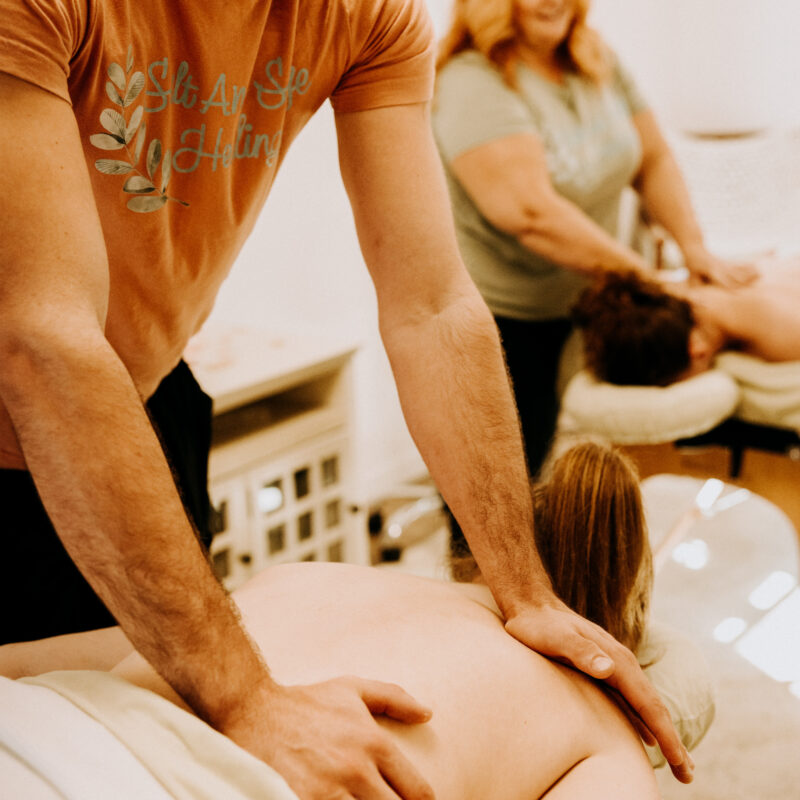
x: 280, y: 469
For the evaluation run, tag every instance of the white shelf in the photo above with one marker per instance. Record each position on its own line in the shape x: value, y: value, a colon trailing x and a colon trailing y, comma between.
x: 239, y: 364
x: 280, y: 469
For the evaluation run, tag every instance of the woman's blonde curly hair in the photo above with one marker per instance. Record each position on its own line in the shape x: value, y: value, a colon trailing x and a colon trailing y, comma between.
x: 488, y: 26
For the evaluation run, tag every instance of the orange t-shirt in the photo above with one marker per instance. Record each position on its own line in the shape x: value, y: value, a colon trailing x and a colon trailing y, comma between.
x: 186, y: 110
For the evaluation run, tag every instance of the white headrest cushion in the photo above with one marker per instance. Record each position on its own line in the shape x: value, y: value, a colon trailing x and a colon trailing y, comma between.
x: 650, y: 414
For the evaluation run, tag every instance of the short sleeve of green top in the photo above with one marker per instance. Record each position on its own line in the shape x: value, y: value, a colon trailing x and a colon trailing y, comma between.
x: 592, y: 149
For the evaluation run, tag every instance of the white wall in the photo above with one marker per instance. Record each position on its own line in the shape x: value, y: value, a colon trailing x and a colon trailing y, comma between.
x: 710, y: 65
x: 723, y: 67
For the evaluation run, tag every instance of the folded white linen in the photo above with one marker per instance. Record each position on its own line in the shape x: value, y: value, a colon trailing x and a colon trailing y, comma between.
x: 770, y: 391
x: 87, y: 734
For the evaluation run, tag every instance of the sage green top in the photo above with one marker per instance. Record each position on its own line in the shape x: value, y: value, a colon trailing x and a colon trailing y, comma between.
x: 593, y: 152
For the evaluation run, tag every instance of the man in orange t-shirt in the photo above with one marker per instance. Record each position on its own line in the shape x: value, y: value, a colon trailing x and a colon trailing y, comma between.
x: 139, y: 141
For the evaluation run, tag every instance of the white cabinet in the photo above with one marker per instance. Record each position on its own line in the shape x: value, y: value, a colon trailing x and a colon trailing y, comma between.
x: 280, y: 470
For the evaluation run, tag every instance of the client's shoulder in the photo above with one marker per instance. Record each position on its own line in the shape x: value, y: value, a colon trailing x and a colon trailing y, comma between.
x: 352, y: 586
x: 615, y: 765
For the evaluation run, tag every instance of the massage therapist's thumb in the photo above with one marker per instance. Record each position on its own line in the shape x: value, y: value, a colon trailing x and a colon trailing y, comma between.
x: 392, y: 701
x: 601, y: 666
x: 587, y: 656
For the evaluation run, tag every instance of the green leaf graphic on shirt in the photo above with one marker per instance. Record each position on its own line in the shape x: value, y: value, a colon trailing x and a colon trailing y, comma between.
x: 150, y: 194
x: 135, y: 86
x: 137, y: 184
x: 136, y: 118
x: 109, y: 166
x: 113, y: 93
x: 153, y: 157
x: 106, y: 142
x: 117, y: 75
x: 149, y: 203
x: 166, y: 169
x: 140, y: 139
x: 113, y: 122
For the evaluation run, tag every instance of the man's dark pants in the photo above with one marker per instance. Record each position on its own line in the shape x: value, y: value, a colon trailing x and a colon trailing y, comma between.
x: 42, y: 593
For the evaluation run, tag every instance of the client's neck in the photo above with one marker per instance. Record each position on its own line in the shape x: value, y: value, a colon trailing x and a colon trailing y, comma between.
x: 716, y: 336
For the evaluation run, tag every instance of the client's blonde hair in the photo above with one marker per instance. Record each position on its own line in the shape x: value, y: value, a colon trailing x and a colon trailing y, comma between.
x: 488, y: 26
x: 592, y: 537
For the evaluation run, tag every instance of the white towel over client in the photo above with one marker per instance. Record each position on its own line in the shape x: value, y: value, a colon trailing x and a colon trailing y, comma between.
x: 86, y: 735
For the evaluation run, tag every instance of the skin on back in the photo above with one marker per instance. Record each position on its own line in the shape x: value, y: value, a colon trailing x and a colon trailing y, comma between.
x: 761, y: 318
x: 507, y: 723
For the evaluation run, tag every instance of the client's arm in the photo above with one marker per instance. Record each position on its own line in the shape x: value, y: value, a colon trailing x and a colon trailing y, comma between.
x: 100, y: 649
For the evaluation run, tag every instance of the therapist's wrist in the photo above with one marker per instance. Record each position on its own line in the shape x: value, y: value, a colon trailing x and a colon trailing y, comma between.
x: 537, y: 593
x: 230, y: 688
x: 695, y: 255
x: 240, y: 710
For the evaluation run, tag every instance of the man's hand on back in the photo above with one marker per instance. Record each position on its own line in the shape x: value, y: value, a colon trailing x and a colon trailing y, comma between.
x: 556, y: 631
x: 324, y: 742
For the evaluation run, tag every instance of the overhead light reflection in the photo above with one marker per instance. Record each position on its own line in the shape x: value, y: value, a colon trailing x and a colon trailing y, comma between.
x: 729, y: 629
x: 270, y: 498
x: 395, y: 531
x: 732, y: 499
x: 773, y: 644
x: 692, y: 554
x: 709, y: 493
x: 772, y: 589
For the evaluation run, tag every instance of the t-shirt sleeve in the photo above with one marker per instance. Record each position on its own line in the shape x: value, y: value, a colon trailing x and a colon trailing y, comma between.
x: 38, y: 39
x: 626, y: 85
x: 473, y: 106
x: 392, y: 55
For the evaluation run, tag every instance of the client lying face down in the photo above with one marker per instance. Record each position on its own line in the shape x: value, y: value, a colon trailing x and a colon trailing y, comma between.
x: 641, y: 332
x: 507, y: 723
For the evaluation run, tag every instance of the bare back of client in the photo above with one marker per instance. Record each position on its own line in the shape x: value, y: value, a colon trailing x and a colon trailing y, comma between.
x: 507, y: 723
x: 762, y: 318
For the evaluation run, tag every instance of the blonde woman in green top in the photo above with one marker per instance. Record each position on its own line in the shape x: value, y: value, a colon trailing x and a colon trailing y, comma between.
x: 540, y: 130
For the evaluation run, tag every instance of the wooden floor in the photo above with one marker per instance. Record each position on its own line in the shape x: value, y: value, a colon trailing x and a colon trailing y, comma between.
x: 774, y: 477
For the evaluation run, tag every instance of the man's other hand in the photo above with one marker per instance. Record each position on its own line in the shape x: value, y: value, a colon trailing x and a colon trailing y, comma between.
x: 324, y: 742
x: 556, y: 631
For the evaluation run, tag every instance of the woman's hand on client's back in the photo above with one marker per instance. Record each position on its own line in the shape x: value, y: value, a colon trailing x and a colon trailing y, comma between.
x: 709, y: 268
x: 554, y: 630
x: 323, y: 739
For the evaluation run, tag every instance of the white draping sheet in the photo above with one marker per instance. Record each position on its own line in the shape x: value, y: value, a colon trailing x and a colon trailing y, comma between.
x: 88, y: 735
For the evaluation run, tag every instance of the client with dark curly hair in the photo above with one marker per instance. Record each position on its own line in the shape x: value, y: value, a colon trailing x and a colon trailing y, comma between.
x: 647, y: 333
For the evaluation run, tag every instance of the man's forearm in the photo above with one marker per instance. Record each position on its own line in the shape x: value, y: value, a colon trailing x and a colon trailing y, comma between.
x: 106, y: 485
x: 457, y: 401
